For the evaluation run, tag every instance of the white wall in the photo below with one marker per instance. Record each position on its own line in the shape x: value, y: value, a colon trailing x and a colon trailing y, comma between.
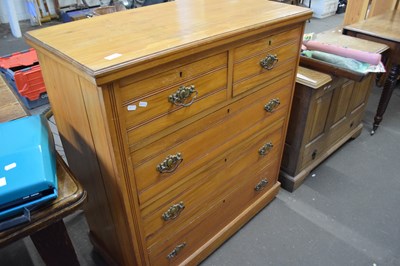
x: 22, y: 11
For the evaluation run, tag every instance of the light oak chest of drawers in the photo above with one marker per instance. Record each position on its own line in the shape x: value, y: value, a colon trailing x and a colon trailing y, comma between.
x: 174, y: 118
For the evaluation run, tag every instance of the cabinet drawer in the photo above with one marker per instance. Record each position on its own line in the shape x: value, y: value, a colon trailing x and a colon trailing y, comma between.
x: 250, y: 74
x: 200, y: 148
x: 215, y: 218
x: 313, y: 150
x: 251, y: 66
x: 212, y: 184
x: 137, y: 86
x: 344, y: 127
x: 206, y: 94
x: 266, y: 44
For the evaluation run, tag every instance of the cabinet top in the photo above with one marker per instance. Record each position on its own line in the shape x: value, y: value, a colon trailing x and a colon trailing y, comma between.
x: 123, y: 39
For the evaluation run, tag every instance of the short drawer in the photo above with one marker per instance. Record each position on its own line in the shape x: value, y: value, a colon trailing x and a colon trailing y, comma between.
x: 266, y: 44
x: 184, y: 241
x: 137, y: 86
x: 313, y: 150
x: 213, y: 183
x: 249, y: 73
x: 197, y: 150
x: 200, y: 93
x: 251, y: 66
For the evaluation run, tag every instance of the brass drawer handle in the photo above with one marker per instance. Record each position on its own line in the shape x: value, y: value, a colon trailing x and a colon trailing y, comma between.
x: 269, y: 61
x: 265, y: 148
x: 170, y: 163
x: 272, y: 105
x: 261, y: 185
x: 183, y: 93
x: 173, y: 211
x: 176, y: 251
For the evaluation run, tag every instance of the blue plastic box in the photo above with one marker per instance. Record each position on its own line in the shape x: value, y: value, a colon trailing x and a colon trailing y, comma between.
x: 27, y: 165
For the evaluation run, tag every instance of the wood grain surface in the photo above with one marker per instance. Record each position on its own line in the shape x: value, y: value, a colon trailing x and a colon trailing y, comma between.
x: 138, y: 35
x: 10, y: 107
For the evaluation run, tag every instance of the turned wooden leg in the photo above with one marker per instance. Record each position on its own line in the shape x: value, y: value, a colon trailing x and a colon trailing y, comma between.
x: 387, y: 91
x: 54, y: 245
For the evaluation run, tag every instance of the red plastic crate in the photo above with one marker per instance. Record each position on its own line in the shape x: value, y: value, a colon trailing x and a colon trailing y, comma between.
x: 24, y: 74
x: 30, y: 82
x: 19, y: 59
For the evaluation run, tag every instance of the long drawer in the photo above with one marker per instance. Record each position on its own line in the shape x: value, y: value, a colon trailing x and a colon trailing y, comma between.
x: 200, y: 149
x: 212, y: 184
x: 187, y: 240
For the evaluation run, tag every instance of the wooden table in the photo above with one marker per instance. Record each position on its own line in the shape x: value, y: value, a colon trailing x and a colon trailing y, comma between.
x: 46, y: 228
x: 385, y: 29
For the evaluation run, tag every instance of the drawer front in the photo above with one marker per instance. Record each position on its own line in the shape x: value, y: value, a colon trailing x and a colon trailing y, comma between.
x: 266, y: 44
x: 313, y: 150
x: 201, y: 148
x: 252, y: 67
x: 212, y: 184
x: 250, y: 74
x: 139, y: 133
x: 135, y: 87
x: 204, y: 95
x: 350, y: 123
x: 185, y: 241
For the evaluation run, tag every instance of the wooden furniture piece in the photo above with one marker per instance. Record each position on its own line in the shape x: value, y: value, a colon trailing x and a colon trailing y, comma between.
x: 327, y: 110
x: 176, y: 125
x: 382, y: 29
x: 10, y: 107
x: 46, y: 228
x: 358, y: 10
x: 291, y: 2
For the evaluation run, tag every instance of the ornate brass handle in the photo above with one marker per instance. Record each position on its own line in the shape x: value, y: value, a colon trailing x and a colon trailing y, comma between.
x: 261, y: 185
x: 266, y: 148
x: 176, y: 251
x: 170, y: 163
x: 269, y: 61
x: 173, y: 211
x: 183, y: 93
x: 272, y: 104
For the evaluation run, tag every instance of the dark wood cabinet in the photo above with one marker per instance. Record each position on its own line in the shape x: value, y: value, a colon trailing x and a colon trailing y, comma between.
x: 326, y: 113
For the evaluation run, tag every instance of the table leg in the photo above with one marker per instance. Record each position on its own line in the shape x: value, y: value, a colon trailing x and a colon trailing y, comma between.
x: 387, y: 91
x: 54, y: 245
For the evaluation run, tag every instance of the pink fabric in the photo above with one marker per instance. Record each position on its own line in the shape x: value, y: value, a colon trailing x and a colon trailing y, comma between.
x: 371, y: 58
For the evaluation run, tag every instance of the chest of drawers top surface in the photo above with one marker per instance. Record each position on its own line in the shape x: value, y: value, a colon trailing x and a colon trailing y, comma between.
x: 120, y: 40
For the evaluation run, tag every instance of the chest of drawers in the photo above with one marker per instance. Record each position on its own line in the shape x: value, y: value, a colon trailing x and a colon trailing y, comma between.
x: 174, y: 118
